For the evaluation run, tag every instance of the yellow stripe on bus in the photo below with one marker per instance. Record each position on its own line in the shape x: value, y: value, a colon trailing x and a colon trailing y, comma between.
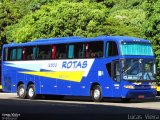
x: 0, y: 87
x: 74, y: 76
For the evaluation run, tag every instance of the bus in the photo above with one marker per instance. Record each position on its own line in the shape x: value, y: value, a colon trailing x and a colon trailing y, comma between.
x: 104, y: 66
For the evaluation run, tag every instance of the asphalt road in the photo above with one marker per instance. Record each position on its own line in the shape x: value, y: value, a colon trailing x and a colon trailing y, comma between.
x: 77, y: 108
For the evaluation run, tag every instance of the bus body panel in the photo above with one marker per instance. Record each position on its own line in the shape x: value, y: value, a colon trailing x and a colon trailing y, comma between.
x: 71, y: 76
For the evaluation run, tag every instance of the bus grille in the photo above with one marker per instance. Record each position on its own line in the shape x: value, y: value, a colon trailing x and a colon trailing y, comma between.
x: 142, y: 87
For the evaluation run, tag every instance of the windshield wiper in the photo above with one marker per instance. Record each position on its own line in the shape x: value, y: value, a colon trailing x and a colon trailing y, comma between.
x: 148, y: 76
x: 130, y: 66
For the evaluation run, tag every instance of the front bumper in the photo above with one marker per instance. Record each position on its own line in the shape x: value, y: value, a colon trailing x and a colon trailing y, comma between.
x: 141, y: 94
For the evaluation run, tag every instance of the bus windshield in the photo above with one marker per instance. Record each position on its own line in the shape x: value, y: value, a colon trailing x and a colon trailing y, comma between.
x: 132, y: 48
x: 139, y: 69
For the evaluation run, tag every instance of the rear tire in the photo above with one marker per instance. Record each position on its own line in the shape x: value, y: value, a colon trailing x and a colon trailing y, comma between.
x: 31, y: 92
x: 21, y: 91
x: 96, y: 93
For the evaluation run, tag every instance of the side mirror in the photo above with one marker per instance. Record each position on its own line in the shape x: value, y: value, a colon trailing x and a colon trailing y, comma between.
x: 154, y: 69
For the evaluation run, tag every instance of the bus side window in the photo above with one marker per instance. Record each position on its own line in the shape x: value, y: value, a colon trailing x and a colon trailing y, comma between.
x: 9, y: 54
x: 13, y: 54
x: 61, y: 51
x: 54, y: 52
x: 24, y: 54
x: 111, y: 49
x: 5, y: 55
x: 35, y: 54
x: 94, y: 49
x: 71, y: 51
x: 43, y: 52
x: 30, y: 53
x: 79, y: 50
x: 87, y: 51
x: 19, y: 53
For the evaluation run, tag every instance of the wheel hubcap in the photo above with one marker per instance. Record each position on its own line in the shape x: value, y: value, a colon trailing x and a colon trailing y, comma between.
x: 96, y: 93
x: 31, y: 92
x: 21, y: 91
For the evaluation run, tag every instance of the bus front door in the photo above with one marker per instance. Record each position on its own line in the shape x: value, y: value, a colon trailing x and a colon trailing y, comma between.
x: 116, y: 79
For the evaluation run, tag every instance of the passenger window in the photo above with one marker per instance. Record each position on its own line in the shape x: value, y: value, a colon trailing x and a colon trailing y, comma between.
x: 94, y: 49
x: 54, y: 49
x: 111, y: 49
x: 31, y: 53
x: 71, y: 51
x: 79, y: 50
x: 61, y: 51
x: 13, y: 54
x: 5, y: 56
x: 44, y: 52
x: 19, y: 53
x: 24, y: 54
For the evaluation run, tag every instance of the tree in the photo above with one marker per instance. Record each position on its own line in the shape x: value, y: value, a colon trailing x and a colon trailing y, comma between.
x: 12, y: 11
x: 60, y: 19
x: 152, y: 28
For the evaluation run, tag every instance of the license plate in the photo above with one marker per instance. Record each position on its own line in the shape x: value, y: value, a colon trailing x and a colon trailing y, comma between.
x: 141, y: 96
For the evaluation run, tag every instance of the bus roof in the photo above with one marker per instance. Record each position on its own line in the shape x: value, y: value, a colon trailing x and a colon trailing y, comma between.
x: 78, y: 39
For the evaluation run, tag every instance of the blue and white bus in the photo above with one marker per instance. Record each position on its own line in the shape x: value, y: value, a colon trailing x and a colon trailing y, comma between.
x: 105, y: 66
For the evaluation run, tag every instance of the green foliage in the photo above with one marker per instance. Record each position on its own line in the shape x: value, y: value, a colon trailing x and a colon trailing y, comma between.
x: 12, y: 11
x: 61, y: 19
x: 129, y: 21
x: 152, y: 27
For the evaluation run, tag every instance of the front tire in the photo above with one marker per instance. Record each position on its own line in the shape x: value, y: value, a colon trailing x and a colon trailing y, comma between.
x: 31, y: 92
x: 21, y: 91
x: 96, y: 93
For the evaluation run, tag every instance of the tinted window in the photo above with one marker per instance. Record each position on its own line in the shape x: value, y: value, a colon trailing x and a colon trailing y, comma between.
x: 86, y: 50
x: 44, y: 52
x: 30, y: 53
x: 58, y: 51
x: 13, y: 54
x: 5, y: 54
x: 94, y: 49
x: 77, y: 50
x: 61, y: 51
x: 111, y: 49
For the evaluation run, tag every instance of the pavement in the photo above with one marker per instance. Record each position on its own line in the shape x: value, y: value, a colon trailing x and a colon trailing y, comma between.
x: 76, y: 108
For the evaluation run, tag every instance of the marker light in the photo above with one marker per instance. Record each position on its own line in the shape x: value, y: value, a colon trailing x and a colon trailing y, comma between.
x: 153, y: 86
x: 129, y: 86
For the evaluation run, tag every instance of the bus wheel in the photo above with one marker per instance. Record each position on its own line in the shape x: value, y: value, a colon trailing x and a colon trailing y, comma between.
x: 96, y: 93
x: 21, y: 91
x: 31, y: 93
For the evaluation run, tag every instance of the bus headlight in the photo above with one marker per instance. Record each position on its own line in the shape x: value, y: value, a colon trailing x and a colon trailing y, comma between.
x: 129, y: 86
x: 153, y: 86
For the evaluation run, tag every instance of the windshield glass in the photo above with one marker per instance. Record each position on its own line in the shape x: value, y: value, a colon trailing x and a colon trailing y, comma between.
x: 132, y: 48
x: 139, y: 69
